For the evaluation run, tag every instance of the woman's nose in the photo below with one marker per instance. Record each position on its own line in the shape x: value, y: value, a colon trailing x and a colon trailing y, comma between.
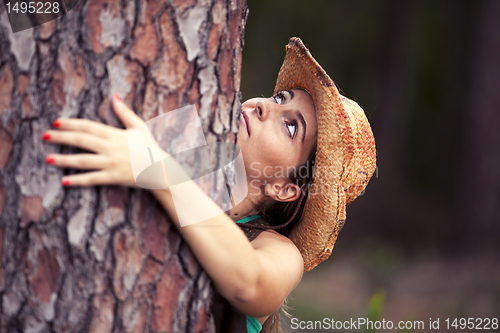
x: 263, y: 108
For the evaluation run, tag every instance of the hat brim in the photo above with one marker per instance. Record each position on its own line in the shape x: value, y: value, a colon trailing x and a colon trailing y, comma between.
x: 325, y: 210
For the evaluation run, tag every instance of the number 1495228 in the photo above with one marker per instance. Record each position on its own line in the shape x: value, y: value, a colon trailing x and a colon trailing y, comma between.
x: 33, y: 7
x: 472, y: 323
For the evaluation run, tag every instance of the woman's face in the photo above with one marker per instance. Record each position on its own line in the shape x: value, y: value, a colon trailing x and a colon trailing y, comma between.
x: 275, y: 134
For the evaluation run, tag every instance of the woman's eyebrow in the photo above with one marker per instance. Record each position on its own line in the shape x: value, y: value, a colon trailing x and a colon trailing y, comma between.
x: 304, y: 125
x: 291, y: 94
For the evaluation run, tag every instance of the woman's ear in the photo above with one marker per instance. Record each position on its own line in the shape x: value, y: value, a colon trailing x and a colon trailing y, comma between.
x: 284, y: 192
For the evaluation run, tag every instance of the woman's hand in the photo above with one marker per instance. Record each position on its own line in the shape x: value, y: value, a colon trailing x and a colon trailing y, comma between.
x: 111, y: 160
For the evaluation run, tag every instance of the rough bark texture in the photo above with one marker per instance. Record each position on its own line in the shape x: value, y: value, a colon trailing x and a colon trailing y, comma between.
x: 106, y: 259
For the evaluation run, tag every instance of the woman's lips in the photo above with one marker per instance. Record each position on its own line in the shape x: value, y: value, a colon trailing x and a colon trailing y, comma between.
x: 245, y: 119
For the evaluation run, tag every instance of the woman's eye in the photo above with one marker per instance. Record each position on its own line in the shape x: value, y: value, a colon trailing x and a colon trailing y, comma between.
x: 279, y: 98
x: 291, y: 127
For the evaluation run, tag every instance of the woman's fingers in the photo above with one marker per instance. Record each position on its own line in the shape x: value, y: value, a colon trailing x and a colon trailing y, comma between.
x: 78, y: 161
x: 83, y: 125
x: 111, y: 163
x: 87, y: 179
x: 76, y: 139
x: 127, y: 116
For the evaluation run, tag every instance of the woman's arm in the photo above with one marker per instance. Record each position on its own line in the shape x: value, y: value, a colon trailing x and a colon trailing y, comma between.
x: 254, y: 277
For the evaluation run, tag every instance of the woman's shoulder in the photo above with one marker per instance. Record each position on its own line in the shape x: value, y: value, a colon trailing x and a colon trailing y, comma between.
x: 281, y: 254
x: 268, y: 238
x: 273, y: 236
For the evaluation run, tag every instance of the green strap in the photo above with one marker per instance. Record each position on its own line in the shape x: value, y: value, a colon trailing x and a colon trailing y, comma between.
x: 247, y: 219
x: 253, y: 325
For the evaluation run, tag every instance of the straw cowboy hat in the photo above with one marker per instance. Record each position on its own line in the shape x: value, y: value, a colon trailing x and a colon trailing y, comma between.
x: 345, y: 154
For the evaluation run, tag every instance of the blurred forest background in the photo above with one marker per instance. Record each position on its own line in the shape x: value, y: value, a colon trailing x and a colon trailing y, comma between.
x: 423, y: 241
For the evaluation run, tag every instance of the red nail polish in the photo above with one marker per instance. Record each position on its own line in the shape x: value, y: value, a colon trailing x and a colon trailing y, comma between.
x: 56, y: 124
x: 117, y: 96
x: 65, y: 182
x: 46, y: 136
x: 49, y: 160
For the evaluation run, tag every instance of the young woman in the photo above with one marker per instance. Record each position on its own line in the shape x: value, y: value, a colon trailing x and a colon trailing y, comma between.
x: 321, y: 138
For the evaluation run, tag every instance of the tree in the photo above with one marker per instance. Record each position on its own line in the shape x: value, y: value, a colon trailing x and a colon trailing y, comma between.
x: 106, y: 259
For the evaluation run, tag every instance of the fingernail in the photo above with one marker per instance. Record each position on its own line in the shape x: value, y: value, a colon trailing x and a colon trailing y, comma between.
x: 65, y: 182
x: 56, y: 123
x: 49, y: 159
x: 117, y: 96
x: 46, y: 136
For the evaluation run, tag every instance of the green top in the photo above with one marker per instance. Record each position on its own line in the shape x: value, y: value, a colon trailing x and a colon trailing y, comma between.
x: 247, y: 219
x: 253, y: 325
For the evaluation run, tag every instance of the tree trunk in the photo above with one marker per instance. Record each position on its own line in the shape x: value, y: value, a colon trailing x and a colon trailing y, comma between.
x: 106, y: 259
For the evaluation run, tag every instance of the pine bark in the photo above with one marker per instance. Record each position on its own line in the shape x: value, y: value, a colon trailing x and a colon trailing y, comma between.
x: 106, y: 259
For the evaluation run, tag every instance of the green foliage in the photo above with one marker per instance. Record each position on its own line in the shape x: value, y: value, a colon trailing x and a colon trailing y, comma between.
x: 375, y: 308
